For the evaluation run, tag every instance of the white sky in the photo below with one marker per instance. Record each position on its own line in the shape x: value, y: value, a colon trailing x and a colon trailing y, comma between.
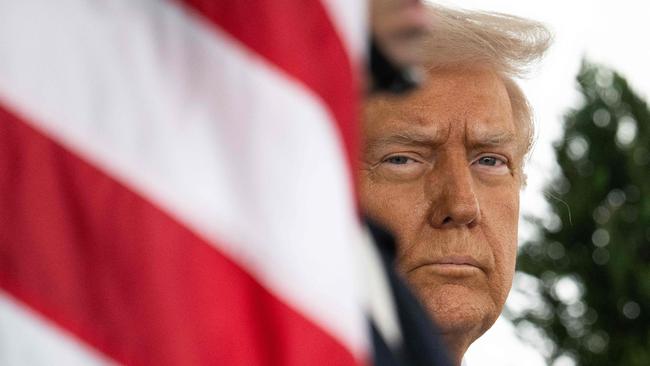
x: 613, y: 33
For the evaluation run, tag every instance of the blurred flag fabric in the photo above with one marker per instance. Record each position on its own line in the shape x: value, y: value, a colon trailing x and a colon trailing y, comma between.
x: 175, y: 182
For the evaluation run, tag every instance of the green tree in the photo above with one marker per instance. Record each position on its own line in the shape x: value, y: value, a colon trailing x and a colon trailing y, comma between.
x: 597, y: 240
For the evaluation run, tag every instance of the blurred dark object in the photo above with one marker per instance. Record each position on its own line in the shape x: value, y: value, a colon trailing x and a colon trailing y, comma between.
x: 593, y: 254
x: 388, y: 77
x: 398, y: 30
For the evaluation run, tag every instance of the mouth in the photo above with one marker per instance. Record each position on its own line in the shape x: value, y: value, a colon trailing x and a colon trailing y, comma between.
x: 453, y: 266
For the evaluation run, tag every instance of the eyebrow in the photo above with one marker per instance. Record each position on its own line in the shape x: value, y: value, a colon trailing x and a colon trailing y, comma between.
x: 408, y: 138
x: 419, y: 139
x: 492, y: 139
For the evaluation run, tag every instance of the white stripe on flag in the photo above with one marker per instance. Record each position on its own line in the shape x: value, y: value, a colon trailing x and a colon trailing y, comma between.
x: 351, y: 20
x: 202, y: 128
x: 28, y: 339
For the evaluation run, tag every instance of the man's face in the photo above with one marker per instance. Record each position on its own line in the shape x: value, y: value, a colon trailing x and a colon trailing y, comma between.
x: 442, y: 171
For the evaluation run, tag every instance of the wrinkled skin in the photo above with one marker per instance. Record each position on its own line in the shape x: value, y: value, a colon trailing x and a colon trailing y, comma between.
x: 442, y: 170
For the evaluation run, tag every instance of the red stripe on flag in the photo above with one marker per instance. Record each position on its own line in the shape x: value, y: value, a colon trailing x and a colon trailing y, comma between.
x: 120, y: 274
x: 299, y: 38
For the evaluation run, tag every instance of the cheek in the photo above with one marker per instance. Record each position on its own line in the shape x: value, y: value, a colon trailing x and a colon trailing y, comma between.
x: 502, y: 219
x: 395, y: 206
x: 500, y: 210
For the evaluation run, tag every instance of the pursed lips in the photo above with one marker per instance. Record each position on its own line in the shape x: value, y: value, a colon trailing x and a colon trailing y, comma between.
x: 458, y: 262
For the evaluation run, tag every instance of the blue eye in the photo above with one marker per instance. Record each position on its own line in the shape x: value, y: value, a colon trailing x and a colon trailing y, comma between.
x: 489, y: 160
x: 401, y: 167
x: 398, y: 160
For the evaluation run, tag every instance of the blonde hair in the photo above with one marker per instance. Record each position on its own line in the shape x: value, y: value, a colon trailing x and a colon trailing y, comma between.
x: 507, y: 44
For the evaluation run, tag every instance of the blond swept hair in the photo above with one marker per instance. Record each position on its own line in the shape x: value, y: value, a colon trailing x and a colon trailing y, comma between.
x: 507, y: 44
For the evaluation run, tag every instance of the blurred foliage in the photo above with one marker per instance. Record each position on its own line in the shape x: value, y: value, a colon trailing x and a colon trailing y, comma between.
x: 592, y: 256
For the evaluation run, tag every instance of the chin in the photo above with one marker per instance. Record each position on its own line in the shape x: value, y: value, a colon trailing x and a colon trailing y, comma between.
x: 459, y: 310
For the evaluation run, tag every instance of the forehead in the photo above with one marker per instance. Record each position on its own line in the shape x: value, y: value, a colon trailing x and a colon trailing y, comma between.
x: 473, y: 100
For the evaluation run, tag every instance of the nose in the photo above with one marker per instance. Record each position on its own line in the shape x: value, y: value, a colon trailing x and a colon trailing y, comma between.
x: 453, y: 200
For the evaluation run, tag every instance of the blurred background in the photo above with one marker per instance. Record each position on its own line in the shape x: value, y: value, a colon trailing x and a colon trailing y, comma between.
x: 582, y: 292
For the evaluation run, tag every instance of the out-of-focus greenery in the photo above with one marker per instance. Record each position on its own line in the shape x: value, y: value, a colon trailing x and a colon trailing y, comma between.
x: 593, y: 255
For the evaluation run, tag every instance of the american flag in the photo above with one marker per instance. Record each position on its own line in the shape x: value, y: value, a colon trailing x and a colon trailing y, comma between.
x: 176, y: 182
